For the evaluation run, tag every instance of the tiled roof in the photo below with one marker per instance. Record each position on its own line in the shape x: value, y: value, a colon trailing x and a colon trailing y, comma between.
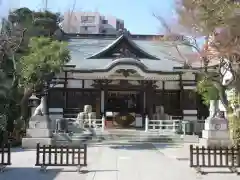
x: 82, y: 48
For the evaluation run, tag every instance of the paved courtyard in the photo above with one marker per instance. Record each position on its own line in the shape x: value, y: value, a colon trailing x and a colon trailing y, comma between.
x: 113, y: 162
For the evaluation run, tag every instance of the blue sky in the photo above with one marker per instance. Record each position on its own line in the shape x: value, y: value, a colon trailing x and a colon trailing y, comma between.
x: 137, y: 14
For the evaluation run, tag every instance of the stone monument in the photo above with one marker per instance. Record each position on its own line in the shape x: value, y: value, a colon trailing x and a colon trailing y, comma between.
x: 216, y: 131
x: 87, y: 117
x: 39, y: 130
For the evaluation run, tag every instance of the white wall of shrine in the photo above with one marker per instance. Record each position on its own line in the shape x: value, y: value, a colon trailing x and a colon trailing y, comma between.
x: 169, y: 84
x: 172, y: 85
x: 71, y: 83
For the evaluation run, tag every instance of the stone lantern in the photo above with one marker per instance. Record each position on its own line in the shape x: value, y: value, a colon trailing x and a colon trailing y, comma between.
x: 34, y: 101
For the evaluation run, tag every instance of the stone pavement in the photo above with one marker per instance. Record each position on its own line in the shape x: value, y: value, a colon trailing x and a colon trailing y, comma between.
x: 181, y: 154
x: 113, y: 162
x: 23, y: 168
x: 178, y: 151
x: 135, y: 162
x: 144, y: 162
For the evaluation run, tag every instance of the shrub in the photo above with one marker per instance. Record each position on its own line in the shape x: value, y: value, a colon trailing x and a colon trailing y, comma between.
x: 234, y: 127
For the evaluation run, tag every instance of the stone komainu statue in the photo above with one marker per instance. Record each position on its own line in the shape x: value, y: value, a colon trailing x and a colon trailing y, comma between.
x: 86, y: 116
x: 40, y: 108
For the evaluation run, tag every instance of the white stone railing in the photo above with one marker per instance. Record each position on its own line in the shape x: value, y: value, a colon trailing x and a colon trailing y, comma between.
x: 96, y: 124
x: 162, y: 126
x: 73, y: 124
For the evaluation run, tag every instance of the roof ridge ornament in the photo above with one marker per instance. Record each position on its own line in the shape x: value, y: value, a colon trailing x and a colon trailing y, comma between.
x: 123, y: 32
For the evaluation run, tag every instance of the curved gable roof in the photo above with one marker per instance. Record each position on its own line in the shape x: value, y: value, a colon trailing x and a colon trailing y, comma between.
x: 122, y: 43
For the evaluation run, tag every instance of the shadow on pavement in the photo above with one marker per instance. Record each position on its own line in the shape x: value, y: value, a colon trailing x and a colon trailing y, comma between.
x: 136, y: 146
x: 183, y: 159
x: 88, y: 171
x: 14, y: 173
x: 223, y: 171
x: 19, y: 149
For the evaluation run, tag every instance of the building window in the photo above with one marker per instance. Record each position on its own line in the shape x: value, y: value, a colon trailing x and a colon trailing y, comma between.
x: 91, y: 29
x: 104, y: 21
x: 88, y: 19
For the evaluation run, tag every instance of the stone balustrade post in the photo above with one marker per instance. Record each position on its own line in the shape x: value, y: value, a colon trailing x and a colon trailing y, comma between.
x: 146, y: 123
x: 103, y: 123
x: 174, y: 126
x: 184, y: 127
x: 160, y: 124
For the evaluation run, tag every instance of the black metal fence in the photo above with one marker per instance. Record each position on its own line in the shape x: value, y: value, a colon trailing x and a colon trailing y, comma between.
x: 5, y: 156
x: 215, y: 157
x: 61, y: 156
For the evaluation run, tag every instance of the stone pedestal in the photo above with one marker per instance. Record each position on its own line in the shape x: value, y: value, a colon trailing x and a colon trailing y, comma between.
x: 215, y: 132
x: 38, y: 132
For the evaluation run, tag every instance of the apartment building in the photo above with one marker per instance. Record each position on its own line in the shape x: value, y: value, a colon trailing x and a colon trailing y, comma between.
x: 5, y: 7
x: 91, y: 23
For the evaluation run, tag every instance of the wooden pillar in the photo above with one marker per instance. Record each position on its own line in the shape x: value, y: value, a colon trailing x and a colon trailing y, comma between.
x: 65, y: 89
x: 181, y: 94
x: 105, y: 94
x: 163, y: 94
x: 102, y: 100
x: 98, y: 105
x: 189, y: 100
x: 149, y: 99
x: 143, y: 101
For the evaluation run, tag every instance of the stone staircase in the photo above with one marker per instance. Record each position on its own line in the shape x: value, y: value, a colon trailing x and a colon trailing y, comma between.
x: 134, y: 136
x: 109, y: 136
x: 73, y: 139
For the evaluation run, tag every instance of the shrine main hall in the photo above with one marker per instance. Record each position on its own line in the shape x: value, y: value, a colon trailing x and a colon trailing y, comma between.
x: 125, y: 75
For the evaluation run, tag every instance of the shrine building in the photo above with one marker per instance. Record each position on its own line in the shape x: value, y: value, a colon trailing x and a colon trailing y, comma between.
x: 125, y: 74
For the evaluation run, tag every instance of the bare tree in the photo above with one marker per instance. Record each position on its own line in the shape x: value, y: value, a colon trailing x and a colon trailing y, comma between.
x: 217, y: 22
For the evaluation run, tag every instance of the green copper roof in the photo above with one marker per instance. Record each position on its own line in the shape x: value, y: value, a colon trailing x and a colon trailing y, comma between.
x: 83, y: 48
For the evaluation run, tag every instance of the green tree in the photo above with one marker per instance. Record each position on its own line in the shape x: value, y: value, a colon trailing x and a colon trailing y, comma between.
x: 35, y: 24
x: 44, y: 59
x: 207, y: 90
x: 31, y: 52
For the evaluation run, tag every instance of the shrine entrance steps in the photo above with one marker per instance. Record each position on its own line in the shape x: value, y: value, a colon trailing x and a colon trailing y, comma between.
x: 134, y: 136
x: 114, y: 136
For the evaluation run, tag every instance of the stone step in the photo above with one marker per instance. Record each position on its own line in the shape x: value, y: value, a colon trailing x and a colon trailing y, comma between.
x: 138, y: 138
x: 131, y: 136
x: 69, y: 143
x: 111, y: 140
